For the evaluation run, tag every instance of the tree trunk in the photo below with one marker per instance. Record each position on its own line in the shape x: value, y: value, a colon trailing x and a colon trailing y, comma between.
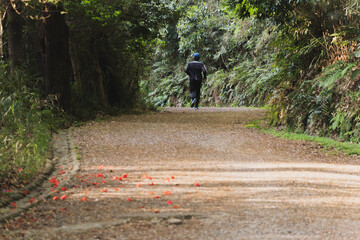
x: 1, y: 36
x: 76, y: 65
x: 16, y: 49
x: 53, y: 50
x: 101, y: 89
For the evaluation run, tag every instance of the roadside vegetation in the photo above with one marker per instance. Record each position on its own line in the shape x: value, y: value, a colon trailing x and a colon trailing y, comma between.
x: 26, y: 122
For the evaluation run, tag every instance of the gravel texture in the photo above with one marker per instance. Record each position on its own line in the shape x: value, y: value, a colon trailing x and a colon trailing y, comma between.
x: 197, y: 175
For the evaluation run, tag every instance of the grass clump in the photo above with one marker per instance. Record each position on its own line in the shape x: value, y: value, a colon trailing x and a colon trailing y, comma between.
x: 329, y: 143
x: 26, y: 121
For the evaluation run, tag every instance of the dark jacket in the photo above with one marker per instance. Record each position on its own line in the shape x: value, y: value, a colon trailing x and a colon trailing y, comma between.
x: 196, y: 71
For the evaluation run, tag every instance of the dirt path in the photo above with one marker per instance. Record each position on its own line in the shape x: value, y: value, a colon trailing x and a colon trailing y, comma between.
x: 198, y: 175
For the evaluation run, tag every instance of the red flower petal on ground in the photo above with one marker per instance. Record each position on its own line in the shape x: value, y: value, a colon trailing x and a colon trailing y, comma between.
x: 103, y: 181
x: 138, y: 185
x: 151, y: 184
x: 100, y: 175
x: 124, y: 176
x: 63, y: 197
x: 115, y: 177
x: 167, y: 193
x: 83, y: 199
x: 31, y: 200
x: 120, y: 178
x: 169, y: 202
x: 129, y: 200
x: 116, y: 189
x: 197, y: 184
x: 100, y: 167
x: 172, y: 177
x: 157, y: 197
x: 150, y: 178
x: 55, y: 198
x: 60, y: 167
x: 104, y: 190
x: 13, y: 204
x: 63, y: 189
x: 26, y: 192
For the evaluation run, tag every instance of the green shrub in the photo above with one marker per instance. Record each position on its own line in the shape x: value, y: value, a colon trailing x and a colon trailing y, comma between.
x: 25, y: 123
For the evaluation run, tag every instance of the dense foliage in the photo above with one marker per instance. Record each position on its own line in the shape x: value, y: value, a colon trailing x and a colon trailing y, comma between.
x: 25, y: 123
x: 298, y: 57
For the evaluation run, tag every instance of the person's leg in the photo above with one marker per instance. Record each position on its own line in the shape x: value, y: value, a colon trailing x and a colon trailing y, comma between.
x: 192, y: 92
x: 197, y: 90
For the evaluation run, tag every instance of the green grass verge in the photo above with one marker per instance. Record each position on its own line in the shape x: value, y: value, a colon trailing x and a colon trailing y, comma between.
x: 328, y: 143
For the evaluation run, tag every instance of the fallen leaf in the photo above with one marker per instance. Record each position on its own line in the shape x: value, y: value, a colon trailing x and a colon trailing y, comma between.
x: 63, y: 197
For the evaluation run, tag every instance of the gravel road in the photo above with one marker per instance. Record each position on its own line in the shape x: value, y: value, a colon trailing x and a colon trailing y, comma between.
x: 186, y: 174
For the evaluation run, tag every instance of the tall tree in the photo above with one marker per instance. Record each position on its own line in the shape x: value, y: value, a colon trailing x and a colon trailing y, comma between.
x: 54, y: 53
x: 14, y: 31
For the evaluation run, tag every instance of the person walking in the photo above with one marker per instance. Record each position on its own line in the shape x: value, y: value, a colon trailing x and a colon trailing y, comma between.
x: 197, y: 74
